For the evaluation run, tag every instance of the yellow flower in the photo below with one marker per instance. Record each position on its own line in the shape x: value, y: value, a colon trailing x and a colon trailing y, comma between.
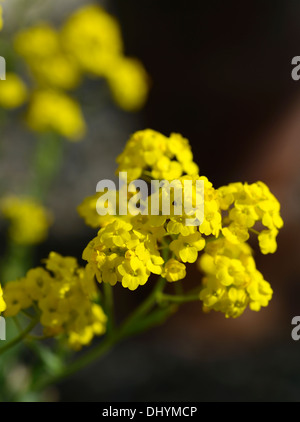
x: 13, y: 92
x: 54, y: 312
x: 109, y: 269
x: 186, y: 248
x: 149, y: 153
x: 62, y: 267
x: 29, y: 220
x: 247, y: 205
x: 122, y: 254
x: 2, y: 303
x: 16, y: 297
x: 38, y: 42
x: 127, y: 250
x: 83, y: 335
x: 88, y: 211
x: 128, y: 82
x: 51, y: 110
x: 134, y: 273
x: 38, y: 282
x: 174, y: 270
x: 260, y: 293
x: 93, y: 38
x: 236, y: 233
x: 63, y: 293
x: 267, y: 241
x: 212, y: 223
x: 232, y: 281
x: 49, y: 66
x: 177, y: 225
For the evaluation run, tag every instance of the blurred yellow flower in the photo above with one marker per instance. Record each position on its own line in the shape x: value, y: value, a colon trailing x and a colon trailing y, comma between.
x: 49, y: 66
x: 37, y: 42
x: 13, y: 92
x: 89, y: 42
x: 128, y: 82
x: 51, y: 110
x: 94, y: 39
x: 29, y: 220
x: 2, y: 303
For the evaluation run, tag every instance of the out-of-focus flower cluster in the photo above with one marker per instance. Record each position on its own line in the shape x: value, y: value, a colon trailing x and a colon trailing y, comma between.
x: 64, y: 295
x: 29, y: 220
x: 89, y: 43
x: 129, y: 249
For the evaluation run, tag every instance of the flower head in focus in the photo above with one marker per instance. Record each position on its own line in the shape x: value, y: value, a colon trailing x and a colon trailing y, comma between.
x: 149, y: 153
x: 247, y: 205
x: 232, y: 281
x: 128, y: 249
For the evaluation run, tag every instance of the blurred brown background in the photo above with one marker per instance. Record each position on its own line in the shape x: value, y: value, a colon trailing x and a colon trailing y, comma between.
x: 221, y: 76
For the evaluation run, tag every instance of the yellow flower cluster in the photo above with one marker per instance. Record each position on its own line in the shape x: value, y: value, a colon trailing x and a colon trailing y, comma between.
x: 89, y: 42
x: 49, y: 66
x: 29, y: 220
x: 54, y: 110
x: 93, y: 38
x: 121, y: 254
x: 63, y: 294
x: 149, y: 153
x: 128, y: 249
x: 247, y: 205
x: 232, y: 281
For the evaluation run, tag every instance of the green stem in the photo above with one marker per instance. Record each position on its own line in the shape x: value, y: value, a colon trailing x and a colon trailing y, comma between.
x: 125, y: 331
x: 20, y: 337
x: 156, y: 318
x: 148, y: 304
x: 177, y: 298
x: 254, y: 231
x: 138, y: 322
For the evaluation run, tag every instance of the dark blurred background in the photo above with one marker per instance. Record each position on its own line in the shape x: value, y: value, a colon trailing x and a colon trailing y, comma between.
x: 221, y: 76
